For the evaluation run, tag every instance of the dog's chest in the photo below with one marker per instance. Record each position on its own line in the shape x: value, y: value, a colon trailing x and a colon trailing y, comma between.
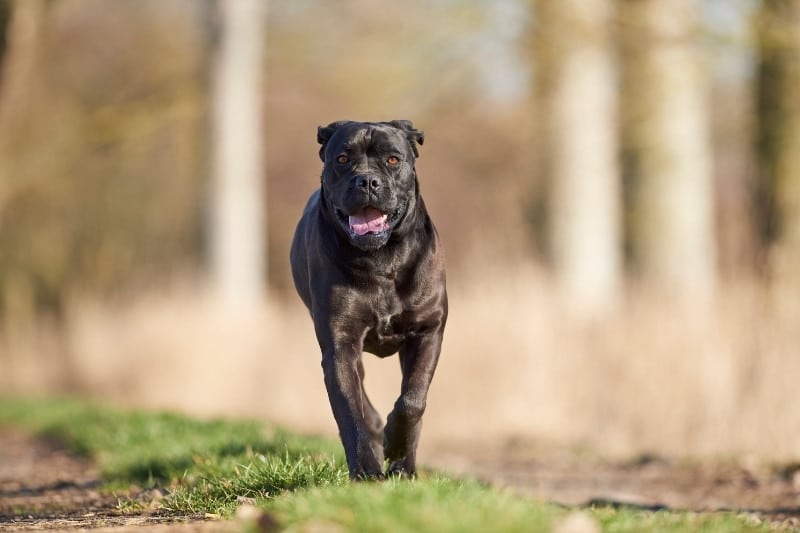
x: 386, y: 336
x: 389, y: 325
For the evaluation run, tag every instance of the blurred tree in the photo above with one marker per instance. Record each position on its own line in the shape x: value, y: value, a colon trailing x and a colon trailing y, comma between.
x: 22, y: 22
x: 238, y: 232
x: 576, y: 87
x: 5, y: 15
x: 666, y: 147
x: 100, y: 167
x: 778, y: 128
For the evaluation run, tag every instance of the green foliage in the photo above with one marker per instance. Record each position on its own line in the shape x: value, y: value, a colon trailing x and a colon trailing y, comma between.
x: 206, y: 464
x: 434, y: 503
x: 301, y: 482
x: 613, y: 520
x: 217, y: 485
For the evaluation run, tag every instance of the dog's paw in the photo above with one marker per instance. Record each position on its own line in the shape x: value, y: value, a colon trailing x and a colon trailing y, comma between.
x: 400, y: 469
x: 367, y: 476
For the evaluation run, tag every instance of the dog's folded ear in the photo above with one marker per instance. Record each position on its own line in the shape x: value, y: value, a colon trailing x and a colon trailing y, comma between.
x: 324, y: 134
x: 413, y: 135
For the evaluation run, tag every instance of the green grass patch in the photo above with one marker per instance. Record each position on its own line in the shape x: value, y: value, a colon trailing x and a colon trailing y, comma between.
x: 435, y: 503
x: 301, y: 482
x: 206, y: 465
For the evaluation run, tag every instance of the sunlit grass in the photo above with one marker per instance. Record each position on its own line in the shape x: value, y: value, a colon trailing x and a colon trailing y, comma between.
x: 433, y: 503
x: 213, y: 466
x: 206, y: 465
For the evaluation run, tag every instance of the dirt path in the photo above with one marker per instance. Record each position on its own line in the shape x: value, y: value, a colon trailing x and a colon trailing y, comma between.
x: 43, y: 487
x: 771, y: 494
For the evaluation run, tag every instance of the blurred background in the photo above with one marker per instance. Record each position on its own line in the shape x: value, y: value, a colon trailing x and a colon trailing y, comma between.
x: 616, y: 182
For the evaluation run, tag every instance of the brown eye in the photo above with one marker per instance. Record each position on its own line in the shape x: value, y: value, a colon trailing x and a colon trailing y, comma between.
x: 342, y: 159
x: 393, y: 161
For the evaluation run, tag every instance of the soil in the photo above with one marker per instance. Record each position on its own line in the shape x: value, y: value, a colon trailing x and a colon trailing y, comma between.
x: 761, y: 493
x: 44, y: 487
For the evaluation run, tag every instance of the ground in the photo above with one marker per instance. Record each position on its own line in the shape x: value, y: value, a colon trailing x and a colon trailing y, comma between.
x: 772, y: 493
x: 44, y: 487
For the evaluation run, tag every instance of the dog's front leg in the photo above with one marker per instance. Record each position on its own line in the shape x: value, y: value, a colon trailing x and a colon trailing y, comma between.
x: 418, y: 362
x: 345, y: 393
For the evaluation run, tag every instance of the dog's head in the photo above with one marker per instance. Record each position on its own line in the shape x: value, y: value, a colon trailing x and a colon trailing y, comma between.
x: 368, y: 180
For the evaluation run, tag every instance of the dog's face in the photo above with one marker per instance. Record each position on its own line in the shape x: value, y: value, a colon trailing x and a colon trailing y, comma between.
x: 368, y: 180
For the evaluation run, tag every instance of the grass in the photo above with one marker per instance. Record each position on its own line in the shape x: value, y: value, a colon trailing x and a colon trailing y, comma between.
x: 301, y: 482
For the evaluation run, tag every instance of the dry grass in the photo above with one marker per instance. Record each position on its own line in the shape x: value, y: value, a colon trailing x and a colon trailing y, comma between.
x: 654, y: 376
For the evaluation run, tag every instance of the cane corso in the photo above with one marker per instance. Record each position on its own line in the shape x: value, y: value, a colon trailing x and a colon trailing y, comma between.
x: 369, y: 265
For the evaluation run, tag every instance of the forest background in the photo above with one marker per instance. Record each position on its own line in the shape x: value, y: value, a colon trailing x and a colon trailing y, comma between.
x: 616, y: 182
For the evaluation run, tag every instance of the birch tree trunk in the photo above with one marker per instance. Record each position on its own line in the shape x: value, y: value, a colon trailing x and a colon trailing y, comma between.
x: 576, y: 88
x: 667, y: 148
x: 778, y: 131
x: 238, y: 232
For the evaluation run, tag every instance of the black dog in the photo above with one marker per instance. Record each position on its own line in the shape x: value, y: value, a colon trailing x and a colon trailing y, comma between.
x: 368, y: 264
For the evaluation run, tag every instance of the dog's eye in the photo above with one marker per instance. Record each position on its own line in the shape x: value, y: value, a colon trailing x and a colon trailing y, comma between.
x: 342, y: 159
x: 393, y: 160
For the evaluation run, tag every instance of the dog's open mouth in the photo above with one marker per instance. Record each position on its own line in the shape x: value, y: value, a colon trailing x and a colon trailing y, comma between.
x: 369, y: 221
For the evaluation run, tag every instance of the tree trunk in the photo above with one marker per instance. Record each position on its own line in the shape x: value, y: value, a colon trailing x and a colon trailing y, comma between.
x: 22, y: 35
x: 666, y: 148
x: 576, y: 88
x: 778, y: 133
x: 238, y: 232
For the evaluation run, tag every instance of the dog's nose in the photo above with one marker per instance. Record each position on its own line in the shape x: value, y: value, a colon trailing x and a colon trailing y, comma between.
x: 368, y: 182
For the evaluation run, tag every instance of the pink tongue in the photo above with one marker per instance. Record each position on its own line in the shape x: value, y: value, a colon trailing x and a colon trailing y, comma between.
x: 370, y: 220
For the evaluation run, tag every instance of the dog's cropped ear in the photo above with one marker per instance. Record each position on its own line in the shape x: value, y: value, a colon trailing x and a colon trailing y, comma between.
x: 324, y: 134
x: 413, y: 135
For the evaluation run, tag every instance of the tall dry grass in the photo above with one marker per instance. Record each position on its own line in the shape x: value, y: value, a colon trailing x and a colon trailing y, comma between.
x: 654, y: 376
